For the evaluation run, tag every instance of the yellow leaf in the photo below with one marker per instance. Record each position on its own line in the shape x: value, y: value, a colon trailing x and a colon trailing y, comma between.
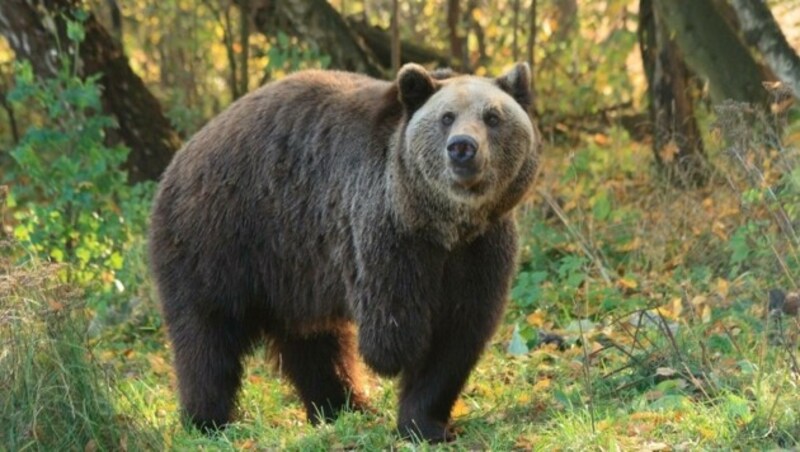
x: 647, y: 416
x: 719, y: 229
x: 477, y: 15
x: 722, y: 287
x: 541, y: 385
x: 672, y: 310
x: 677, y: 307
x: 699, y: 301
x: 668, y: 152
x: 460, y: 409
x: 247, y: 444
x: 627, y: 283
x: 601, y: 139
x: 536, y: 318
x: 55, y: 305
x: 158, y: 364
x: 635, y: 244
x: 706, y: 314
x: 706, y: 432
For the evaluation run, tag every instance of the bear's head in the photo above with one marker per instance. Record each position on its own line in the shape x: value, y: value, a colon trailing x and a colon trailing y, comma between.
x: 470, y: 138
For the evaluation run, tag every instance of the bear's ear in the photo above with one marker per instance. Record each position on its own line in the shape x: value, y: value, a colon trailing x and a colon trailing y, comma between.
x: 517, y: 83
x: 414, y: 85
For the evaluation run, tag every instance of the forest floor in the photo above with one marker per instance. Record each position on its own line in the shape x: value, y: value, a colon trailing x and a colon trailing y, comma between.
x: 670, y: 340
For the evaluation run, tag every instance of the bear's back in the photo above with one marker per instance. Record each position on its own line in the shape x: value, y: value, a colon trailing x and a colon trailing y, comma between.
x: 263, y: 186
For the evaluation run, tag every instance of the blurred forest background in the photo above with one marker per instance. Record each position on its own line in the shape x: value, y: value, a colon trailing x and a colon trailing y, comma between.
x: 656, y: 305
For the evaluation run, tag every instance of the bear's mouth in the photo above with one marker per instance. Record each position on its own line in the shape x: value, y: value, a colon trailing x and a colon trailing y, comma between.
x: 466, y: 175
x: 468, y: 181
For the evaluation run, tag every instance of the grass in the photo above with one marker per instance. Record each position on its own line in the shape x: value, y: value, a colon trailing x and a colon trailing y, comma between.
x: 660, y: 295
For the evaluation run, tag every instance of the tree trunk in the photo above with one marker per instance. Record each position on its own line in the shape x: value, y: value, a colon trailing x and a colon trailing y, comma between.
x: 531, y: 47
x: 677, y: 143
x: 515, y: 30
x: 142, y: 125
x: 453, y: 22
x: 244, y: 41
x: 116, y: 20
x: 395, y: 36
x: 12, y: 120
x: 317, y: 22
x: 379, y: 40
x: 761, y: 28
x: 713, y: 50
x: 480, y: 39
x: 230, y: 51
x: 566, y: 18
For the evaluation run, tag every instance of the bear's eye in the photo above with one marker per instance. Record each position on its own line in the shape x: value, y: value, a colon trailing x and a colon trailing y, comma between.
x: 448, y: 118
x: 491, y: 119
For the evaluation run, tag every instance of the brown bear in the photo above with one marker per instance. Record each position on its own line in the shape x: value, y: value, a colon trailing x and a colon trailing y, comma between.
x: 329, y: 199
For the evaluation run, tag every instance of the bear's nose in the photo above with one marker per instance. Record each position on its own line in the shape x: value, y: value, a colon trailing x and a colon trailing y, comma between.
x: 461, y: 148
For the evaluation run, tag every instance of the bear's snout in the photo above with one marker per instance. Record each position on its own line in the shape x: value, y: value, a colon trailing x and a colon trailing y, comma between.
x: 462, y: 149
x: 465, y: 160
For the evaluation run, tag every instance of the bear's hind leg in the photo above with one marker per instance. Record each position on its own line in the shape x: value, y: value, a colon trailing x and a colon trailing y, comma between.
x: 323, y: 368
x: 208, y: 354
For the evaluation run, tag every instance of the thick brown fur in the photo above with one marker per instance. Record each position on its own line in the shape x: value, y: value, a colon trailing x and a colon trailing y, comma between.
x: 326, y: 200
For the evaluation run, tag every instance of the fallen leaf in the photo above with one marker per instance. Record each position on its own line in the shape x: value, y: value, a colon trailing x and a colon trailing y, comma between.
x: 158, y: 364
x: 627, y: 283
x: 541, y: 385
x: 460, y: 409
x: 722, y: 287
x: 536, y: 318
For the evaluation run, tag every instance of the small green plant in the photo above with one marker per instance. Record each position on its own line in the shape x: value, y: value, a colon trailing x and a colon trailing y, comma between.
x: 69, y: 197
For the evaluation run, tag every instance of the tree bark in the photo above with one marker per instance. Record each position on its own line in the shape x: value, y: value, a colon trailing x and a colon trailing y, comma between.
x: 761, y: 28
x: 378, y: 41
x: 677, y: 143
x: 142, y: 124
x: 317, y: 22
x: 515, y: 30
x: 713, y: 50
x: 244, y: 41
x: 453, y: 22
x: 531, y: 47
x: 116, y: 20
x: 395, y: 36
x: 566, y: 18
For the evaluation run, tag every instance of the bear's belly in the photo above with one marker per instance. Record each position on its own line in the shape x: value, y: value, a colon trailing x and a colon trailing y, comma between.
x: 306, y: 289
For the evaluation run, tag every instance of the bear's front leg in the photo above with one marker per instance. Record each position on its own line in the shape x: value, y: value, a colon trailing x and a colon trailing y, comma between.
x: 396, y: 285
x: 475, y: 287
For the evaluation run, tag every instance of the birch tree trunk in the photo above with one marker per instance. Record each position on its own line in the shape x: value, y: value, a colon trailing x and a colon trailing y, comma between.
x: 713, y: 50
x: 760, y: 26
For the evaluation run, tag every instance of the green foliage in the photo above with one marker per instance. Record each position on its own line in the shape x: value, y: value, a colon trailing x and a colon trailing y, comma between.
x: 286, y: 55
x: 69, y: 197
